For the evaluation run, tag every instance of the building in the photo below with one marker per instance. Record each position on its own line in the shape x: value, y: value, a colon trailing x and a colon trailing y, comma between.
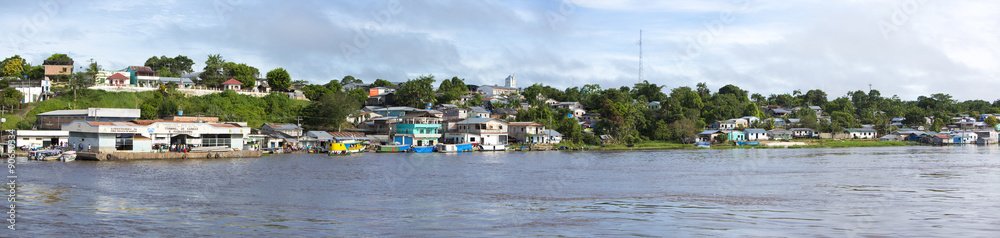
x: 860, y: 133
x: 486, y: 131
x: 36, y: 139
x: 33, y: 90
x: 57, y: 68
x: 478, y: 112
x: 569, y: 105
x: 143, y: 135
x: 102, y: 77
x: 117, y: 80
x: 655, y: 106
x: 804, y: 133
x: 550, y: 136
x: 142, y: 75
x: 525, y: 132
x: 192, y: 118
x: 418, y: 129
x: 757, y: 134
x: 780, y: 134
x: 353, y: 86
x: 490, y: 91
x: 232, y: 84
x: 286, y: 128
x: 453, y: 113
x: 54, y: 120
x: 510, y: 82
x: 380, y: 91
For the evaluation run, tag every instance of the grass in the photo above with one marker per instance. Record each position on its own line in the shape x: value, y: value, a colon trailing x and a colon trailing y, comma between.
x: 850, y: 144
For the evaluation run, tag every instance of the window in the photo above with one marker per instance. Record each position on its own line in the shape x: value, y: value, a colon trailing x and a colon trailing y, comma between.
x: 216, y: 140
x: 123, y: 141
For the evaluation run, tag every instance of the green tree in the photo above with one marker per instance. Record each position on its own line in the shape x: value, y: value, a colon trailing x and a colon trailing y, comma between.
x: 214, y: 73
x: 13, y: 67
x: 452, y: 89
x: 349, y: 79
x: 992, y: 121
x: 60, y: 57
x: 11, y: 98
x: 241, y: 72
x: 279, y: 79
x: 652, y: 92
x: 416, y: 92
x: 382, y: 83
x: 331, y: 110
x: 315, y: 92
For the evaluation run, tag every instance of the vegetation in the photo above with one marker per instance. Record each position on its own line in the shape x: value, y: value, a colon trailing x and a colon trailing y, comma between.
x: 416, y: 92
x: 279, y: 79
x: 170, y: 67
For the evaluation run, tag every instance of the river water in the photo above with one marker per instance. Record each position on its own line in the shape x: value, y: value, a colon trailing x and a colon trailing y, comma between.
x: 915, y: 191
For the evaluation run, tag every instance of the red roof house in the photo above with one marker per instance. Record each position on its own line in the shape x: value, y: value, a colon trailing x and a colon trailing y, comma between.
x: 232, y: 84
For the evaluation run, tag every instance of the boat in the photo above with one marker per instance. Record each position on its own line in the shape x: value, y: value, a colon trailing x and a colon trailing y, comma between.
x: 346, y: 148
x: 704, y: 144
x: 751, y: 143
x: 493, y: 147
x: 392, y: 148
x: 68, y: 156
x: 422, y: 149
x: 447, y: 148
x: 48, y: 155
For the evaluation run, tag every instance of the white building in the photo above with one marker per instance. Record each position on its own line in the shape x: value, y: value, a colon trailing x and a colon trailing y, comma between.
x: 485, y: 131
x: 33, y: 90
x: 35, y: 139
x: 142, y: 135
x: 511, y: 82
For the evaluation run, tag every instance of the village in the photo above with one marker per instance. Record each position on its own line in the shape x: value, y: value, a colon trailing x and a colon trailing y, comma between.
x: 481, y: 118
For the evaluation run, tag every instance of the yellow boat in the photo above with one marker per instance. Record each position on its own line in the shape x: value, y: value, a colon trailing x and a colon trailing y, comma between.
x: 346, y: 148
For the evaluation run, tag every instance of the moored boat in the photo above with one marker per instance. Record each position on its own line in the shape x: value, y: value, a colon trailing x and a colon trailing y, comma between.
x: 493, y: 147
x: 448, y: 148
x: 392, y: 148
x: 748, y: 143
x: 68, y: 156
x: 422, y: 149
x: 47, y: 155
x: 346, y: 148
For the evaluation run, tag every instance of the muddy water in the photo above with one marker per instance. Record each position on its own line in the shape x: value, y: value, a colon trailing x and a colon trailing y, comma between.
x: 922, y: 191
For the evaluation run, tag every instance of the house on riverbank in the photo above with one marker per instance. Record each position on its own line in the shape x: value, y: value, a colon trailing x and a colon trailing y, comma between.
x: 143, y: 135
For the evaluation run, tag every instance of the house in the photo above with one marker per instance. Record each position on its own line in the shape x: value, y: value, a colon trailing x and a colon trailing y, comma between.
x: 479, y: 112
x: 232, y: 84
x: 33, y: 90
x: 817, y: 109
x: 578, y: 112
x: 115, y: 79
x: 892, y: 137
x: 860, y: 133
x: 735, y: 135
x: 353, y: 86
x: 56, y: 68
x: 757, y: 134
x: 36, y: 139
x: 489, y: 91
x: 549, y: 101
x: 591, y: 118
x: 316, y: 139
x: 142, y: 75
x: 381, y: 100
x: 655, y: 106
x: 778, y: 112
x: 569, y: 105
x: 143, y: 135
x: 452, y: 113
x: 780, y: 134
x: 725, y: 125
x: 359, y: 117
x: 500, y: 113
x: 287, y: 128
x: 54, y: 120
x: 965, y: 138
x: 418, y: 129
x: 986, y: 137
x: 804, y: 133
x: 940, y: 139
x: 485, y: 131
x: 180, y: 82
x: 550, y: 136
x: 707, y: 136
x: 525, y: 132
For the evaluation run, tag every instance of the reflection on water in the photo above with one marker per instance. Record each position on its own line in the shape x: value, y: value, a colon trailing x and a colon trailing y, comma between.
x: 925, y: 191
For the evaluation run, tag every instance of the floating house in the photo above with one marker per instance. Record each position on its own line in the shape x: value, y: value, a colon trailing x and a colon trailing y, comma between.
x: 142, y: 135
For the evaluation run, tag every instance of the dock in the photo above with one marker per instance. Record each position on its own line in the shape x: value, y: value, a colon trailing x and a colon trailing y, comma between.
x: 167, y: 155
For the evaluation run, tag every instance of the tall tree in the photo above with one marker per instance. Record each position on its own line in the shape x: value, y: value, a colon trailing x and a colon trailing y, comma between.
x: 416, y: 92
x: 331, y: 110
x: 13, y: 67
x: 382, y: 83
x: 60, y: 57
x: 349, y: 79
x: 213, y: 75
x: 11, y: 98
x: 241, y: 72
x: 279, y: 79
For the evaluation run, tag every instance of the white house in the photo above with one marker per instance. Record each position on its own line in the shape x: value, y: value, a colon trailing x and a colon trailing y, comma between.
x: 860, y: 133
x: 757, y: 134
x: 35, y: 139
x: 232, y: 84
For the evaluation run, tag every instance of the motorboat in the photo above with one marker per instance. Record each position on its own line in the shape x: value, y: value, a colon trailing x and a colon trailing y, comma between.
x: 422, y: 149
x: 393, y: 148
x: 346, y: 148
x: 493, y: 147
x: 448, y: 148
x: 68, y: 156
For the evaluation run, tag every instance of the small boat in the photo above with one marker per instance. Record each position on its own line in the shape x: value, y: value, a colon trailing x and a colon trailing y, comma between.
x: 422, y: 149
x: 751, y: 143
x: 346, y: 148
x: 68, y: 156
x: 47, y: 155
x: 448, y: 148
x: 392, y: 148
x: 493, y: 147
x: 704, y: 144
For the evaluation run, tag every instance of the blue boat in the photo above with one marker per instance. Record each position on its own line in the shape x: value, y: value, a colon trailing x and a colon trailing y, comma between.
x: 748, y: 142
x: 422, y: 149
x: 704, y: 144
x: 445, y: 148
x: 393, y: 148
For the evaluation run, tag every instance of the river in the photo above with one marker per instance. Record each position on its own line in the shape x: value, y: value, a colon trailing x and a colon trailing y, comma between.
x: 915, y: 191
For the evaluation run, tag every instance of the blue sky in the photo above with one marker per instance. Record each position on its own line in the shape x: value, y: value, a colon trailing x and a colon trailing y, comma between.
x: 902, y: 47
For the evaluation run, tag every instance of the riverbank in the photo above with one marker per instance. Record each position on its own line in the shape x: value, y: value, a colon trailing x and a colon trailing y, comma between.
x: 167, y: 155
x: 792, y: 144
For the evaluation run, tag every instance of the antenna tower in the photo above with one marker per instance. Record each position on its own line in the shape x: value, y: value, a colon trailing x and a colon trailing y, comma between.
x: 640, y: 56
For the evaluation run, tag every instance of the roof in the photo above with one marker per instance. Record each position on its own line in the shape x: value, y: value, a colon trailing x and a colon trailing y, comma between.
x: 41, y: 133
x: 550, y: 132
x: 780, y: 131
x: 144, y: 69
x: 860, y: 130
x: 477, y: 120
x: 283, y: 126
x: 756, y: 131
x: 479, y: 110
x: 654, y: 103
x: 232, y: 81
x: 82, y: 112
x: 523, y: 124
x: 815, y: 108
x: 118, y: 76
x: 708, y: 132
x: 96, y: 112
x: 321, y: 135
x: 802, y: 129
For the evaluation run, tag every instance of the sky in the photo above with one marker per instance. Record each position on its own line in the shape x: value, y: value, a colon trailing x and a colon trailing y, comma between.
x: 908, y: 48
